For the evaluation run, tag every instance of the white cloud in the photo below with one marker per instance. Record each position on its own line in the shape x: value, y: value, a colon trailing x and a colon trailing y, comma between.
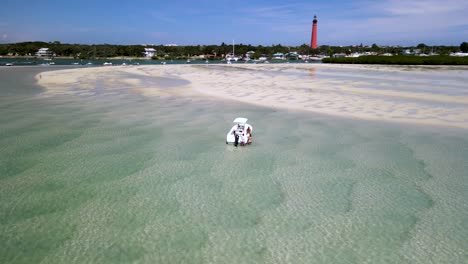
x: 426, y: 7
x: 396, y: 21
x: 386, y: 22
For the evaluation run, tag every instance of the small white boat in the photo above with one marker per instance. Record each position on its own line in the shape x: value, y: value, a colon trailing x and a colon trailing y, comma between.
x: 9, y: 64
x: 107, y: 63
x: 240, y: 133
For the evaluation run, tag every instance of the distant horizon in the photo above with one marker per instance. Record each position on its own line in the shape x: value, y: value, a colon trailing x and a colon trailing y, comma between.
x: 230, y: 44
x: 257, y: 22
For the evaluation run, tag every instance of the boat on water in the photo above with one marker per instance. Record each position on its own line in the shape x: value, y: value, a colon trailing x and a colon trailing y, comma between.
x: 107, y: 63
x: 240, y: 133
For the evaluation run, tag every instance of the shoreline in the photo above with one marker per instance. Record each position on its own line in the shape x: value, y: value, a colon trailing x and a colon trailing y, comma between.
x: 278, y: 86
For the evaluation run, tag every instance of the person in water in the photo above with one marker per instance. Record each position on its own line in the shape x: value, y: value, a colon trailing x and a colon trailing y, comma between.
x: 236, y: 140
x: 242, y: 139
x: 236, y: 137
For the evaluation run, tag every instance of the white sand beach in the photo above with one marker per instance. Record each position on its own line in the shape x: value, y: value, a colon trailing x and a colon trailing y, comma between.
x: 390, y: 93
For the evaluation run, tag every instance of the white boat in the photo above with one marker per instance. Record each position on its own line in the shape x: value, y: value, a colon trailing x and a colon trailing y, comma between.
x: 240, y: 133
x: 107, y: 63
x: 9, y: 64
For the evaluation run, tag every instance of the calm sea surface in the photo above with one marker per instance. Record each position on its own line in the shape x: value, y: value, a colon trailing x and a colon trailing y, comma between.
x: 115, y: 177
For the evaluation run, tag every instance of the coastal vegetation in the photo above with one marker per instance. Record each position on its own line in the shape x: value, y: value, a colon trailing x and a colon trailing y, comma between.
x: 401, y: 60
x: 464, y: 47
x: 85, y: 51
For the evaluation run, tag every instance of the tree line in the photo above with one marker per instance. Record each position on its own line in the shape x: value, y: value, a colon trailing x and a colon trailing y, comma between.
x: 84, y: 51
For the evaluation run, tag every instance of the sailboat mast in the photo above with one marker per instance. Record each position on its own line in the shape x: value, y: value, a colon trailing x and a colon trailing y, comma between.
x: 233, y: 48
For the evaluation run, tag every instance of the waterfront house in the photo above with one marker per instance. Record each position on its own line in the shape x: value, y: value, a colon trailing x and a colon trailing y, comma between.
x: 149, y: 52
x: 43, y: 52
x: 249, y: 53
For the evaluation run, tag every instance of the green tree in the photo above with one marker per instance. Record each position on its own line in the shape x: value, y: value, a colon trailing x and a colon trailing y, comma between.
x: 421, y: 46
x: 464, y: 47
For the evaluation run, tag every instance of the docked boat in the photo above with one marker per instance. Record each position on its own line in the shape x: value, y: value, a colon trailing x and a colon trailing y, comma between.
x: 240, y: 133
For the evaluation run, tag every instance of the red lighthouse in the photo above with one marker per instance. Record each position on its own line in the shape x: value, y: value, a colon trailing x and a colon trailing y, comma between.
x: 313, y: 41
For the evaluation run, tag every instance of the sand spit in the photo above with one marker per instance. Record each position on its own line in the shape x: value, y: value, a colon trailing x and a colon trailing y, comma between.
x: 391, y: 93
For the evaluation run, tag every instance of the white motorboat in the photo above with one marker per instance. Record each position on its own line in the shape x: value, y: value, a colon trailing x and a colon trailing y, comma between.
x: 240, y: 133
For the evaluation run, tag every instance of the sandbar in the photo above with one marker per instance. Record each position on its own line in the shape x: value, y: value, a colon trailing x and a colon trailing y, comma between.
x: 386, y: 93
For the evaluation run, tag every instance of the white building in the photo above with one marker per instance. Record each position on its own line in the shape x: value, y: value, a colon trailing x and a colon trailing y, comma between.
x: 149, y: 52
x: 459, y: 54
x: 339, y: 55
x: 249, y: 53
x: 43, y: 52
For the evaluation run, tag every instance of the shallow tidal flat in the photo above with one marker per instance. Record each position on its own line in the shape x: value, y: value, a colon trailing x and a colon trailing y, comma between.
x: 129, y: 165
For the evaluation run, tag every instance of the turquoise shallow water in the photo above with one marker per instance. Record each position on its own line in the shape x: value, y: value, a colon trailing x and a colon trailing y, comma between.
x: 115, y: 177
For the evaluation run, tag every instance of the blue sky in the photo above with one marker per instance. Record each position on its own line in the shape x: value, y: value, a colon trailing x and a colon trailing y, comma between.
x: 256, y: 22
